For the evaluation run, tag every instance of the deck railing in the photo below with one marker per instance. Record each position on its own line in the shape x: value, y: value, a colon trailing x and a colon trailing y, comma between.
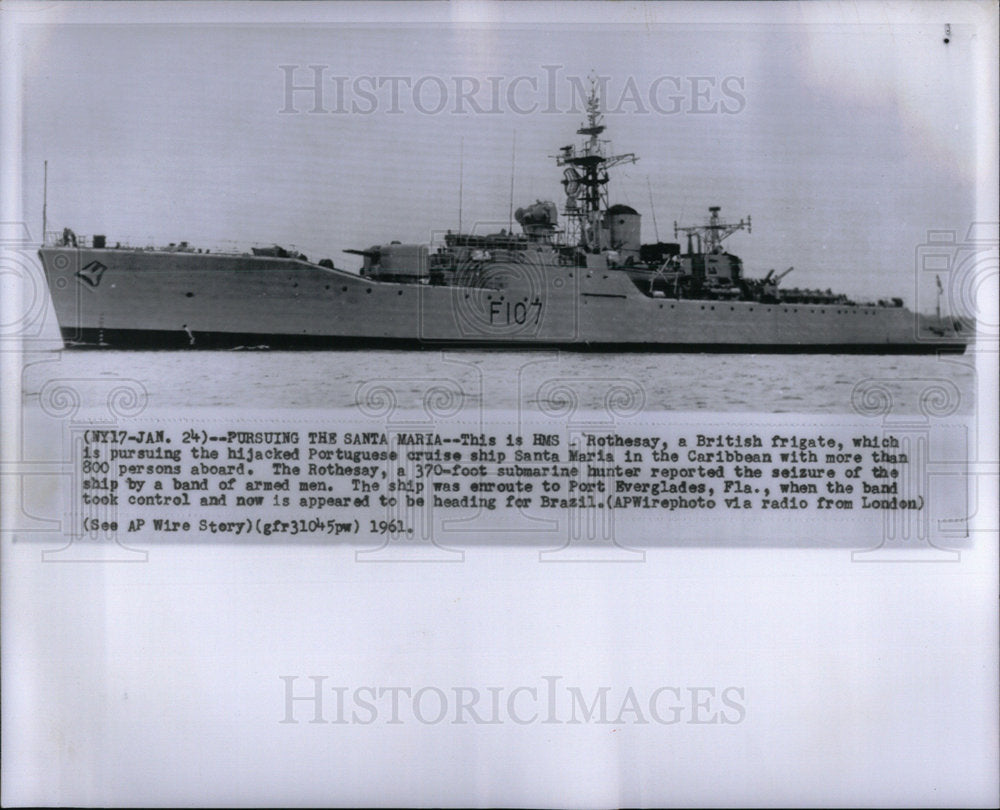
x: 70, y: 239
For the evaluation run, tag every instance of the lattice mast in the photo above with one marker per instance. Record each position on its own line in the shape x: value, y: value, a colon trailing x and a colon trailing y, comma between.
x: 708, y: 238
x: 586, y: 177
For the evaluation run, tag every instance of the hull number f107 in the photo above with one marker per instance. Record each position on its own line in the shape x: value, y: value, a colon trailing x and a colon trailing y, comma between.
x: 506, y: 313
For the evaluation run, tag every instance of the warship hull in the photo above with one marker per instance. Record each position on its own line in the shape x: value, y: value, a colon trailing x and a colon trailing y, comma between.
x: 126, y: 298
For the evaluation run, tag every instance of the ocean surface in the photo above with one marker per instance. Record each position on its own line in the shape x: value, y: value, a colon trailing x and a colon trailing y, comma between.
x: 556, y: 383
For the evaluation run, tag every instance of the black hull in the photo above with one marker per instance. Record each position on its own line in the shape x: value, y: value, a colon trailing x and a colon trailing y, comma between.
x: 141, y: 339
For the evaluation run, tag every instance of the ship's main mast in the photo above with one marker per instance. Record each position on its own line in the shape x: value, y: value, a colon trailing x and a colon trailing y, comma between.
x: 586, y: 177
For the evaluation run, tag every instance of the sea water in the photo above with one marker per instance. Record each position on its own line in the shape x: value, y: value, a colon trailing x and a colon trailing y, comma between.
x: 553, y: 382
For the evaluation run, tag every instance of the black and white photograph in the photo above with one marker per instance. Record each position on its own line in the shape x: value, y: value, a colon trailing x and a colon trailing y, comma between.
x: 499, y: 404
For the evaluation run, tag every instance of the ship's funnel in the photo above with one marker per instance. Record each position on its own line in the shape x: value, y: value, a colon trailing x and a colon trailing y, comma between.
x: 620, y: 231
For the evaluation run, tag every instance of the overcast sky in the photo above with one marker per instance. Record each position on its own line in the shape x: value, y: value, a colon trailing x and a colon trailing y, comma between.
x: 845, y: 142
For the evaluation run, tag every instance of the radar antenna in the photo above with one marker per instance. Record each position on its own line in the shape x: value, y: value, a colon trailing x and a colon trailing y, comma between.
x: 711, y: 235
x: 586, y: 176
